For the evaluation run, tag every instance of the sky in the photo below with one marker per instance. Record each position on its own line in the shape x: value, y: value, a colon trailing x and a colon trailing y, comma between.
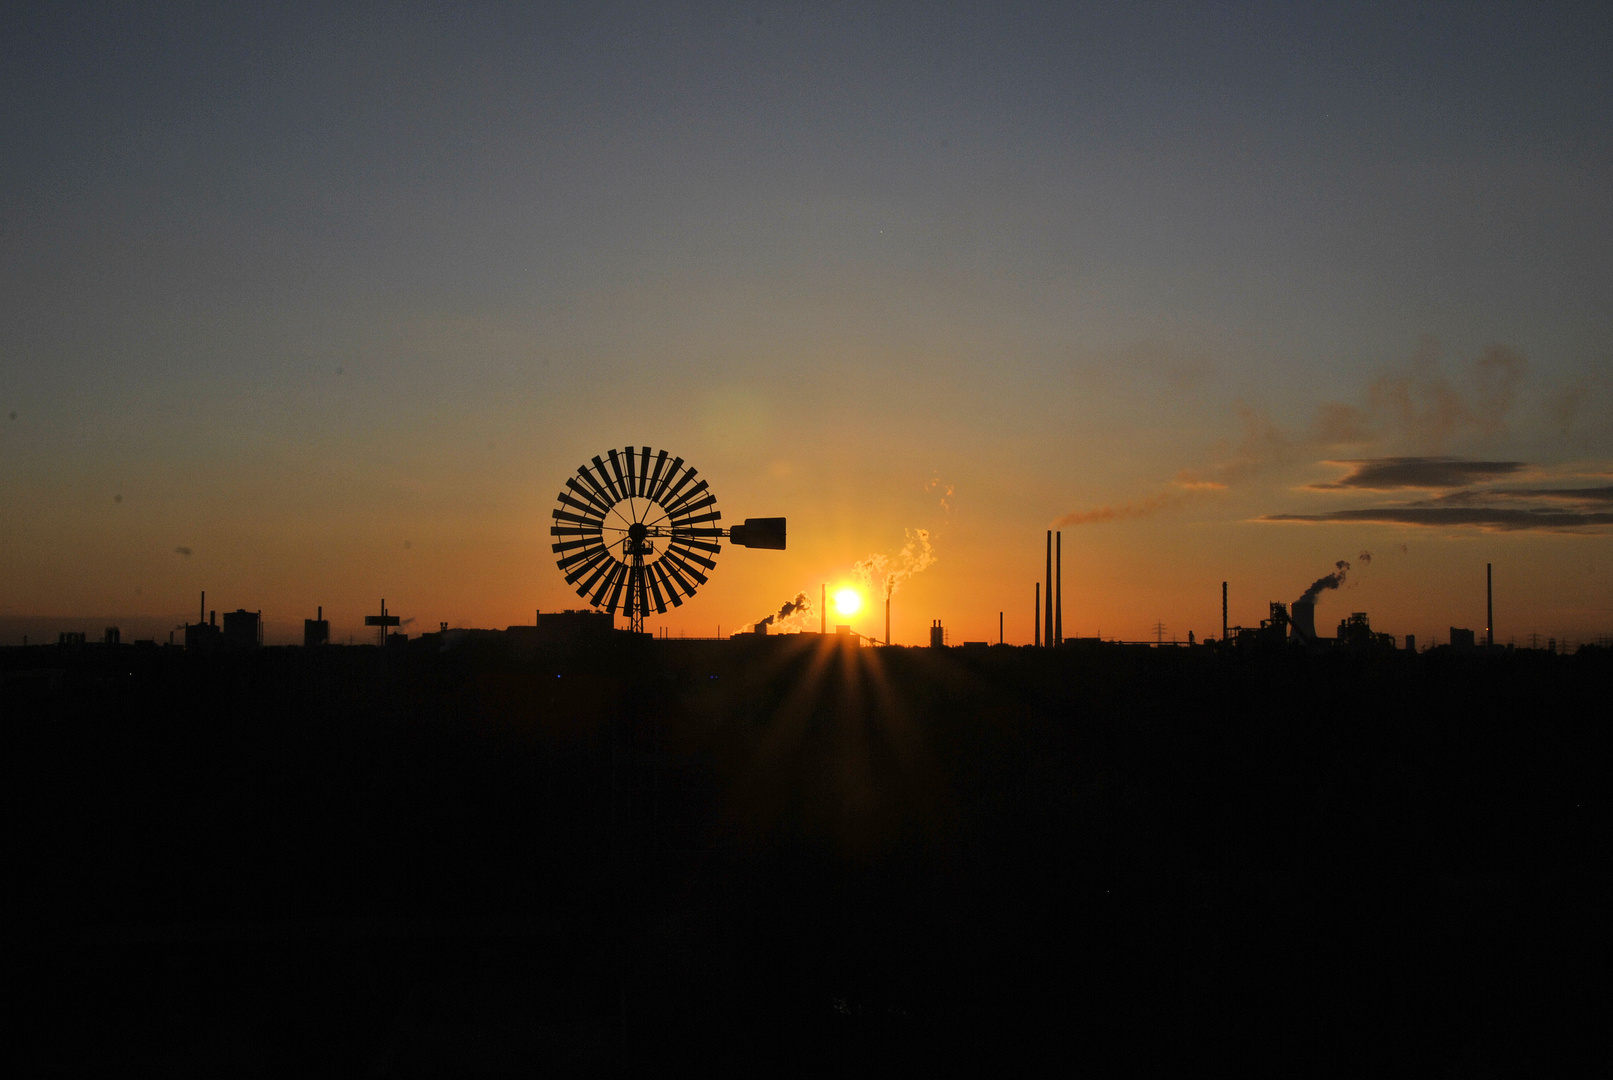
x: 312, y: 305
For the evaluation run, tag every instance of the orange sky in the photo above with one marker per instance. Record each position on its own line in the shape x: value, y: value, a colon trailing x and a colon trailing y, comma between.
x: 305, y: 314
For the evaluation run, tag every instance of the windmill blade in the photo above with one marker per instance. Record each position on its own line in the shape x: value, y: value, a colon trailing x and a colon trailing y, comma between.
x: 618, y: 580
x: 675, y: 562
x: 660, y: 493
x: 655, y: 590
x: 678, y: 502
x: 568, y: 530
x: 666, y: 583
x: 590, y: 496
x: 689, y: 514
x: 698, y: 545
x: 683, y: 550
x: 579, y: 563
x: 644, y: 472
x: 670, y: 498
x: 667, y: 567
x: 596, y: 485
x: 614, y: 571
x: 594, y: 563
x: 610, y: 485
x: 616, y: 467
x: 585, y: 555
x: 586, y: 508
x: 655, y: 481
x: 699, y: 519
x: 600, y: 570
x: 576, y: 519
x: 571, y: 545
x: 632, y: 476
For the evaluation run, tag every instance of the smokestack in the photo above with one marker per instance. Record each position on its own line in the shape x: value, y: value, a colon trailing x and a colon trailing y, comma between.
x: 1058, y: 595
x: 1489, y: 608
x: 823, y: 611
x: 887, y: 618
x: 1037, y: 622
x: 1047, y: 608
x: 999, y: 628
x: 203, y: 616
x: 319, y: 613
x: 1223, y: 611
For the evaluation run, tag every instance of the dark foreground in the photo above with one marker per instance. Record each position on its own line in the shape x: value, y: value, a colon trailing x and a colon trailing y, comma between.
x: 792, y: 857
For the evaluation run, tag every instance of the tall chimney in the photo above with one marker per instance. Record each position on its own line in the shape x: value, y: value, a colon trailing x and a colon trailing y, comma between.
x: 1058, y: 595
x: 1223, y: 611
x: 203, y: 616
x: 1037, y: 622
x: 823, y: 611
x: 1047, y: 608
x: 1489, y: 608
x: 887, y: 618
x: 999, y: 628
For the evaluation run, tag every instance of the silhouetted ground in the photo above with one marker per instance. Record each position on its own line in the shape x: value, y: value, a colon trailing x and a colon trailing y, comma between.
x: 792, y: 857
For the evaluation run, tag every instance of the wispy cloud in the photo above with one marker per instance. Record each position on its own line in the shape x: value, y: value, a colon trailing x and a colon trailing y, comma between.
x: 1392, y: 473
x: 1498, y: 519
x: 1420, y: 406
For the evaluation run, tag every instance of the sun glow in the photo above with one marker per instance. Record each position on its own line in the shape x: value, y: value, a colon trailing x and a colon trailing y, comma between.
x: 847, y: 601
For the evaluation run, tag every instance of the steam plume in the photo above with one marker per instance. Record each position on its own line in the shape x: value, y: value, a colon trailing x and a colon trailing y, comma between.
x: 801, y: 605
x: 1330, y: 581
x: 883, y: 575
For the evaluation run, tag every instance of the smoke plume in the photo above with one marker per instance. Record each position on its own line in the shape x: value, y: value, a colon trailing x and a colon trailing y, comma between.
x: 883, y: 575
x: 1330, y: 581
x: 800, y: 606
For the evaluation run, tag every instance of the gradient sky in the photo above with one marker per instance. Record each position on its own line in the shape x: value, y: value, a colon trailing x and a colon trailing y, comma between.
x: 335, y: 301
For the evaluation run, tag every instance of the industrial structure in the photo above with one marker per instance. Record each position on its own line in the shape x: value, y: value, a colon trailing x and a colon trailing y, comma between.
x: 611, y: 519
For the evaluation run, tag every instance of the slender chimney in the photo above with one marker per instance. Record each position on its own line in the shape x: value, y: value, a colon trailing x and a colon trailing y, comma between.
x: 1058, y: 595
x: 887, y: 618
x: 1037, y: 622
x: 1489, y: 607
x: 1047, y: 607
x: 1223, y: 611
x: 203, y: 616
x: 319, y: 613
x: 999, y: 628
x: 823, y: 610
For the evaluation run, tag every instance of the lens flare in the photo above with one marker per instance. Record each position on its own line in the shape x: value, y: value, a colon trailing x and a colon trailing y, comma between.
x: 847, y: 601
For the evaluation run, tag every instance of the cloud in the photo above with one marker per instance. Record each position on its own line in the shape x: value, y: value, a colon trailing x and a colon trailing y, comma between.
x: 1490, y: 518
x: 1137, y: 508
x: 1421, y: 406
x: 1391, y: 473
x: 1565, y: 406
x: 1262, y: 443
x: 1582, y: 496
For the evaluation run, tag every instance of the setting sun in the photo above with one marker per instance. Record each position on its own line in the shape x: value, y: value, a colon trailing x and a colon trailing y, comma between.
x: 847, y: 601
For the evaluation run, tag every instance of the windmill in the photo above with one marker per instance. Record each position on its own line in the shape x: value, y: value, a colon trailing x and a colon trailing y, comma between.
x: 634, y: 530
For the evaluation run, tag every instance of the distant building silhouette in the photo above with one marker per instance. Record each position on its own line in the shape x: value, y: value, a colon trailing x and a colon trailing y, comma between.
x: 1462, y: 639
x: 70, y: 637
x: 938, y: 636
x: 1356, y: 632
x: 1411, y: 642
x: 111, y: 636
x: 1303, y: 620
x: 243, y: 629
x: 316, y: 631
